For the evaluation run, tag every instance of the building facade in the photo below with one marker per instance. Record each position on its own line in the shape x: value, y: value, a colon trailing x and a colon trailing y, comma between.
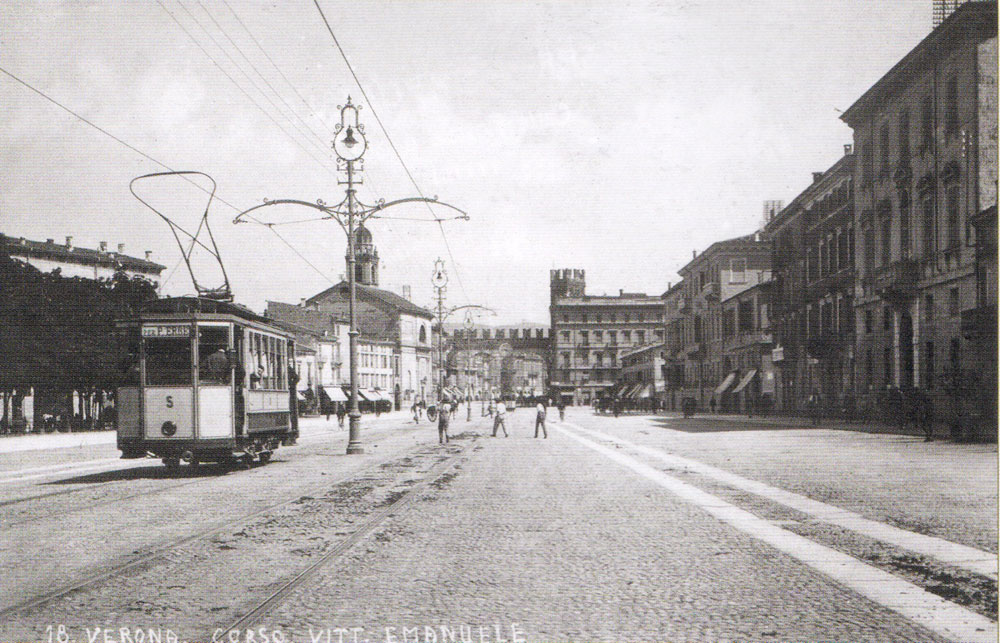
x: 384, y: 316
x: 590, y: 332
x: 749, y: 384
x: 926, y: 140
x: 722, y: 271
x: 641, y: 380
x: 73, y: 261
x: 813, y: 291
x: 509, y: 360
x: 674, y: 325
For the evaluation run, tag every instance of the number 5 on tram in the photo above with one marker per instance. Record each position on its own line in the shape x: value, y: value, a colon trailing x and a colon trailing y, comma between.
x: 208, y: 381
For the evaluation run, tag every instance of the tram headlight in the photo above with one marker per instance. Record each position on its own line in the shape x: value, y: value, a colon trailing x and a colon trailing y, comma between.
x: 168, y: 428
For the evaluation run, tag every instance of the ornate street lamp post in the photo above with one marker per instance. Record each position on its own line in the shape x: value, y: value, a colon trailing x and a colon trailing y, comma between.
x: 350, y: 145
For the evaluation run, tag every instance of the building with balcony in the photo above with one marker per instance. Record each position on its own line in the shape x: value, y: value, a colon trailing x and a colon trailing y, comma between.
x: 590, y: 333
x: 675, y: 307
x: 813, y: 290
x: 722, y: 271
x: 641, y: 382
x: 747, y: 340
x: 925, y: 136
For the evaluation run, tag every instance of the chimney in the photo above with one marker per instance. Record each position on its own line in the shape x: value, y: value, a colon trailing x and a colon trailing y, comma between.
x: 121, y: 248
x: 406, y: 292
x: 848, y: 149
x: 149, y: 255
x: 817, y: 176
x: 69, y: 243
x: 694, y: 254
x: 103, y: 246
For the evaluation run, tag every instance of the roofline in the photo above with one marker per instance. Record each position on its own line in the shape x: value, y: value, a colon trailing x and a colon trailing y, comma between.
x: 933, y: 45
x: 717, y: 245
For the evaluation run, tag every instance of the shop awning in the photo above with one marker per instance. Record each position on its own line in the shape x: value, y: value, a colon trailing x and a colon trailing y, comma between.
x: 335, y: 393
x: 726, y: 383
x: 632, y: 391
x: 746, y: 380
x: 302, y: 398
x: 646, y: 390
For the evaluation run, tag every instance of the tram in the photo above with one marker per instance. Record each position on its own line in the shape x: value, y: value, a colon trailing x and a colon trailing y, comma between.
x: 208, y: 381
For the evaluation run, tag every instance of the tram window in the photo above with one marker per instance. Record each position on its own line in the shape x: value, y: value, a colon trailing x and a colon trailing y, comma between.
x: 213, y: 366
x: 129, y: 365
x: 168, y: 361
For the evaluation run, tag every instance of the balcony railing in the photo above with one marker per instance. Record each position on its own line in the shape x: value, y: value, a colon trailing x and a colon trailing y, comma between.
x: 897, y: 282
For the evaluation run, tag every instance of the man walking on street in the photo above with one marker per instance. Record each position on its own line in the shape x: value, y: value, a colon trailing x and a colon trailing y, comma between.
x: 540, y: 420
x: 444, y: 416
x: 500, y: 420
x: 562, y: 409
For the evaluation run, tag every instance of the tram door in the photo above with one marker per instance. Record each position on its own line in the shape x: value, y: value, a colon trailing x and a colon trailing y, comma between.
x: 215, y: 381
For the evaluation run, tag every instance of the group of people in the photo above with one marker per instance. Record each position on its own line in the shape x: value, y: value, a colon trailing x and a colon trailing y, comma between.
x: 498, y: 411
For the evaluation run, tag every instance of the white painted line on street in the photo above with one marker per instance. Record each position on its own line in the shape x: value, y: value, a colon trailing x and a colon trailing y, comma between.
x: 969, y: 558
x: 55, y: 467
x: 909, y: 600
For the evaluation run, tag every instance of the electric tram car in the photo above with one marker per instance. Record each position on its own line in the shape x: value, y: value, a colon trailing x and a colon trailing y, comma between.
x: 208, y: 381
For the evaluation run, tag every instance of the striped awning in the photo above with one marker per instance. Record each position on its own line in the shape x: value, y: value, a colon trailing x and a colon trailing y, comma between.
x: 746, y: 380
x: 726, y: 383
x: 645, y: 391
x: 335, y: 393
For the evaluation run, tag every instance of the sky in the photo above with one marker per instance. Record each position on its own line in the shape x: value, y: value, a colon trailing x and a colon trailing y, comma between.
x: 610, y: 137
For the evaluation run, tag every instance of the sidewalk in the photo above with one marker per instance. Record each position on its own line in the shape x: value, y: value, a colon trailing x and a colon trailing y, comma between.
x: 46, y: 441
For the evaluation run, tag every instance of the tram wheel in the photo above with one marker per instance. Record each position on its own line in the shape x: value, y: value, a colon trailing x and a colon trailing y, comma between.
x: 172, y: 463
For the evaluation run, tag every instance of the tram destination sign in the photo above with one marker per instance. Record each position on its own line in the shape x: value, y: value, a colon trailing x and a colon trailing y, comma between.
x: 166, y: 331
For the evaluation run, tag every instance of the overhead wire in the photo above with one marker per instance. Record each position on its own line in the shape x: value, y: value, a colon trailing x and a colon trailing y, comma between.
x: 149, y: 158
x: 403, y: 247
x: 392, y: 145
x: 312, y: 135
x: 238, y: 86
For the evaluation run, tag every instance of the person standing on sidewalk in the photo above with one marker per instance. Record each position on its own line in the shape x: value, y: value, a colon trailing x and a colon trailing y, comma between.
x: 444, y: 416
x: 540, y: 420
x: 500, y: 420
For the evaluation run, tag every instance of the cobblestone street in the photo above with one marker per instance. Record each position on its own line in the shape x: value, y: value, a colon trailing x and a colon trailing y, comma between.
x: 574, y: 537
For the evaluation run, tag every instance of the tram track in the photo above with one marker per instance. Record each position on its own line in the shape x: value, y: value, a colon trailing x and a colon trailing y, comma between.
x: 109, y: 501
x: 160, y: 551
x: 371, y: 524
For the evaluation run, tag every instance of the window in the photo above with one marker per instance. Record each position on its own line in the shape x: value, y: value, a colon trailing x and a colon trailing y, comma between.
x: 846, y: 315
x: 811, y: 272
x: 423, y: 334
x: 954, y: 307
x: 737, y: 269
x: 926, y: 122
x: 640, y: 336
x: 843, y: 251
x: 821, y: 260
x: 955, y: 356
x: 927, y: 221
x: 951, y: 107
x: 883, y: 149
x: 887, y: 318
x: 869, y: 240
x: 598, y: 336
x: 564, y: 336
x: 904, y: 135
x: 168, y: 360
x: 929, y: 365
x: 929, y: 308
x: 744, y: 316
x: 866, y: 164
x: 904, y: 224
x: 565, y: 317
x: 886, y: 238
x: 613, y: 337
x: 952, y: 206
x: 213, y: 360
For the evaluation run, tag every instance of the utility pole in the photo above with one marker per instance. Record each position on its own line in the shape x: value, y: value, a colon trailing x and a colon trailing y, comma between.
x: 350, y: 145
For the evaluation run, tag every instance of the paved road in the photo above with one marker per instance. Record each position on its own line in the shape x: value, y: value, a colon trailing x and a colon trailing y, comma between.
x: 635, y: 528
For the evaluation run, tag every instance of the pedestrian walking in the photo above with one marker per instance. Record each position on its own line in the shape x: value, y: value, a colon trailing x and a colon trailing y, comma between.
x: 711, y: 405
x: 540, y: 420
x: 341, y: 412
x: 500, y: 420
x: 812, y: 405
x: 925, y: 415
x: 561, y: 405
x: 444, y: 416
x: 415, y: 409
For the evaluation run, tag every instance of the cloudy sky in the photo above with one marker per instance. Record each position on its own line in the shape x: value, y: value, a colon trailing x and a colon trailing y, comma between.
x: 613, y: 137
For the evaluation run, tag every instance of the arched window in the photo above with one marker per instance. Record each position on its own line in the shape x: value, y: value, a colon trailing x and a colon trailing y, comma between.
x: 423, y: 334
